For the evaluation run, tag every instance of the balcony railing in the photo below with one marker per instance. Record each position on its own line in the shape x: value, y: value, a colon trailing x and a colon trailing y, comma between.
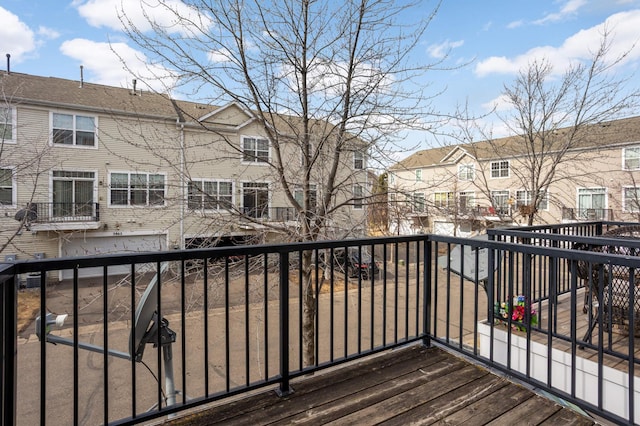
x: 60, y: 212
x: 276, y: 214
x: 237, y: 326
x: 586, y: 214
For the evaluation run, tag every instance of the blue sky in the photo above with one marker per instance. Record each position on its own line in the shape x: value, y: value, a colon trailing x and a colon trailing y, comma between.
x: 496, y: 39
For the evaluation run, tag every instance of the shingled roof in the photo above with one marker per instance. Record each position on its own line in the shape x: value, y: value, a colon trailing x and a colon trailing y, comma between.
x: 597, y: 136
x: 19, y: 88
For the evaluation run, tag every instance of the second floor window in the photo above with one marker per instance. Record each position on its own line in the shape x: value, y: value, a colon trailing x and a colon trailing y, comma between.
x: 443, y: 199
x: 631, y: 199
x: 358, y: 160
x: 499, y: 169
x: 298, y: 194
x: 358, y: 194
x: 69, y: 129
x: 137, y: 189
x: 524, y: 198
x: 210, y: 195
x: 255, y: 199
x: 467, y: 201
x: 466, y: 172
x: 418, y: 202
x: 6, y: 187
x: 419, y: 175
x: 500, y: 201
x: 255, y: 150
x: 7, y: 126
x: 631, y: 158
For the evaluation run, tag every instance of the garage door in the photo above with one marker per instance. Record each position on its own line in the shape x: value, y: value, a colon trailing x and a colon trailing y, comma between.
x: 90, y: 246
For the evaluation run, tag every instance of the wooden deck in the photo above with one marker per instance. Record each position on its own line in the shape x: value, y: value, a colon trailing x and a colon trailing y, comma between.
x: 412, y: 385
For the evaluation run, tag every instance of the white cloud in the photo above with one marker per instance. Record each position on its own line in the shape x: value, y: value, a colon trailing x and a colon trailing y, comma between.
x: 16, y: 38
x: 579, y: 46
x: 515, y: 24
x: 441, y: 50
x: 101, y: 60
x: 570, y: 8
x: 501, y: 103
x: 221, y: 55
x: 48, y: 33
x: 173, y: 15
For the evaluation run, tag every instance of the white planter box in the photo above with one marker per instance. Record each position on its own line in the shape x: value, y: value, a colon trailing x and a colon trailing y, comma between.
x: 615, y: 383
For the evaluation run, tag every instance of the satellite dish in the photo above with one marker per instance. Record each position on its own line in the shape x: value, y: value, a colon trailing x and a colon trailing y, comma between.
x: 146, y: 318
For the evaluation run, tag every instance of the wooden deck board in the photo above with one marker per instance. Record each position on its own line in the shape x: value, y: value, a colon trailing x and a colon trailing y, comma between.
x: 415, y: 385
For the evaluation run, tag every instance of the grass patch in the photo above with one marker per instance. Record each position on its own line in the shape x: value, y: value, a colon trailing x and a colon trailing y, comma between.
x: 28, y: 308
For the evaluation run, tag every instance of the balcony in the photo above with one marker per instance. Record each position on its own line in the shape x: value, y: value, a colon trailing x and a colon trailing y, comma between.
x: 235, y: 326
x: 60, y: 216
x: 272, y: 214
x: 586, y: 214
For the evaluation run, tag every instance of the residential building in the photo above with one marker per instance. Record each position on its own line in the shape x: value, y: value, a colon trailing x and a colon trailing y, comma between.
x: 464, y: 189
x: 91, y: 169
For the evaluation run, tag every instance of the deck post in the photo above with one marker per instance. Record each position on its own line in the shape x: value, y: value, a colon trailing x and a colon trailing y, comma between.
x: 284, y: 388
x: 426, y: 279
x: 9, y: 341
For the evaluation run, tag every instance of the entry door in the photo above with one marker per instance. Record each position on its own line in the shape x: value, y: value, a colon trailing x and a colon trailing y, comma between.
x: 73, y: 194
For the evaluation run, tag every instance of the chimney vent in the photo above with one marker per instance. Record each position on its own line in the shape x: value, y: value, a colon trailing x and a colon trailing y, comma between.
x: 81, y: 76
x: 135, y: 82
x: 8, y: 63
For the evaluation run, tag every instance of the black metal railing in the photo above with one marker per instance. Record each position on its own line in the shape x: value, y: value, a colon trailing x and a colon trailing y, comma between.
x: 229, y: 320
x: 587, y: 214
x: 60, y: 212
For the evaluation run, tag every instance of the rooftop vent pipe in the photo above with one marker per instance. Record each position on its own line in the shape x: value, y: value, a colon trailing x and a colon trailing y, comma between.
x: 8, y: 63
x: 81, y: 76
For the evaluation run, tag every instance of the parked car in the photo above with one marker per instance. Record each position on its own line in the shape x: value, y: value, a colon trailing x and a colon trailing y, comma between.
x: 357, y: 262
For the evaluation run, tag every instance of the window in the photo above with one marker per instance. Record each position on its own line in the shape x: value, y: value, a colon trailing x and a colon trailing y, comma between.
x: 137, y: 189
x: 255, y: 199
x: 443, y: 199
x: 592, y: 203
x: 255, y: 150
x: 418, y: 202
x: 499, y: 169
x: 358, y: 160
x: 500, y: 201
x: 631, y: 158
x: 467, y: 201
x: 6, y: 188
x: 392, y: 178
x: 466, y: 172
x: 631, y: 199
x: 358, y: 195
x: 7, y: 126
x: 298, y: 194
x: 73, y: 193
x: 524, y: 198
x: 419, y: 175
x: 71, y: 129
x: 209, y: 195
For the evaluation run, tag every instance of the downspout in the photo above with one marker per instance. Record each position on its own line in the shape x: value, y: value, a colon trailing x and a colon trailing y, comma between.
x: 183, y: 186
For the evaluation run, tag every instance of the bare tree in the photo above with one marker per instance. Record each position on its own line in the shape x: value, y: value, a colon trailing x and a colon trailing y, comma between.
x: 556, y: 122
x: 332, y: 80
x: 23, y: 166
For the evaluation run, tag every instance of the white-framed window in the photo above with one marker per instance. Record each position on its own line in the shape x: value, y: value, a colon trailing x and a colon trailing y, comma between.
x: 443, y: 199
x: 500, y: 201
x: 418, y: 202
x: 358, y: 195
x: 73, y: 193
x: 7, y: 187
x: 255, y: 199
x: 206, y: 194
x: 255, y: 150
x: 524, y: 198
x: 358, y: 160
x: 631, y: 199
x: 418, y: 175
x: 499, y: 169
x: 466, y: 172
x: 298, y: 194
x: 7, y: 124
x: 592, y: 203
x: 631, y: 158
x: 467, y: 200
x: 392, y: 178
x: 136, y: 189
x: 73, y: 129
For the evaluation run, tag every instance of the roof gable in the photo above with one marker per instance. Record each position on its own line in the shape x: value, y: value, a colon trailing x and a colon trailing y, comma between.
x: 231, y: 115
x: 455, y: 155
